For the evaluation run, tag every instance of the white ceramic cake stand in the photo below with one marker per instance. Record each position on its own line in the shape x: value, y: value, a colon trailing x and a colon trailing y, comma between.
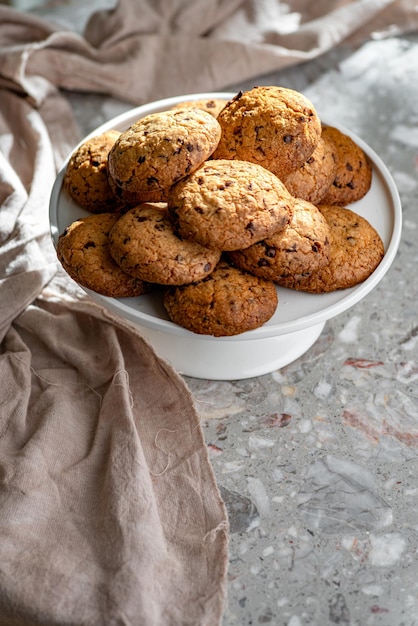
x: 299, y: 318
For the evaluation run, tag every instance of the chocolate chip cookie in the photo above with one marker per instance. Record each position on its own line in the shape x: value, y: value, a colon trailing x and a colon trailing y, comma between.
x: 86, y: 176
x: 312, y: 180
x: 160, y: 149
x: 353, y: 176
x: 227, y: 302
x: 144, y: 245
x: 229, y: 204
x: 211, y: 105
x: 83, y: 251
x: 356, y: 249
x: 299, y: 249
x: 275, y: 127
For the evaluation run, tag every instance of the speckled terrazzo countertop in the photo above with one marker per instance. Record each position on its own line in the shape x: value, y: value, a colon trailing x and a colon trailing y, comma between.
x: 318, y: 462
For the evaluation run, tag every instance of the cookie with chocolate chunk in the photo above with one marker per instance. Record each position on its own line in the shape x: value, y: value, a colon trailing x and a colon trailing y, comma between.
x: 83, y: 251
x: 127, y: 198
x: 275, y: 127
x: 229, y: 204
x: 160, y: 149
x: 86, y: 175
x: 211, y: 105
x: 356, y: 250
x: 353, y: 176
x: 312, y: 180
x: 299, y: 249
x: 227, y: 302
x: 144, y: 245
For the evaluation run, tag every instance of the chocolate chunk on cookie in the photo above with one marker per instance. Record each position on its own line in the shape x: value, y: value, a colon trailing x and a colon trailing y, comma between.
x: 356, y: 250
x: 312, y: 180
x: 160, y: 149
x: 229, y: 204
x: 144, y: 245
x: 353, y: 176
x: 83, y: 251
x: 228, y: 302
x: 275, y: 127
x: 86, y: 175
x: 299, y: 249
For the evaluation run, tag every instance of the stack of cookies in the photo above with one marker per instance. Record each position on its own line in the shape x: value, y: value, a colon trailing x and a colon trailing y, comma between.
x: 214, y: 203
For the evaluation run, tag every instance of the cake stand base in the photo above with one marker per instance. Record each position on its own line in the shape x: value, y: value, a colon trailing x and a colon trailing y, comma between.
x: 223, y: 359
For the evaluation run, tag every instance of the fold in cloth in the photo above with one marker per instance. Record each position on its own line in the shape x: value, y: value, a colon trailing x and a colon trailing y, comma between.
x: 110, y: 511
x: 145, y: 50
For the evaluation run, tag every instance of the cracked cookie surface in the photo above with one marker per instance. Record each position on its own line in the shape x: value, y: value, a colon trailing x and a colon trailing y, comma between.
x: 353, y: 176
x: 275, y: 127
x: 355, y: 251
x: 83, y: 251
x: 299, y: 249
x: 229, y: 204
x: 144, y: 245
x: 86, y: 174
x: 312, y: 180
x: 227, y: 302
x: 160, y: 149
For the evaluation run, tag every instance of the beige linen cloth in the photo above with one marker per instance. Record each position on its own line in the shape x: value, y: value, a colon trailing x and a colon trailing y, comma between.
x: 109, y: 509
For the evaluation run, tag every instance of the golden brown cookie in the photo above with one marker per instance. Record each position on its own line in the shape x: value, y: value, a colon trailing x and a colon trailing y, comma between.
x: 211, y: 105
x: 353, y: 175
x: 229, y: 204
x: 312, y: 180
x: 144, y: 244
x: 356, y: 249
x: 83, y: 252
x: 275, y: 127
x: 86, y: 178
x: 160, y: 149
x: 300, y: 248
x: 227, y: 302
